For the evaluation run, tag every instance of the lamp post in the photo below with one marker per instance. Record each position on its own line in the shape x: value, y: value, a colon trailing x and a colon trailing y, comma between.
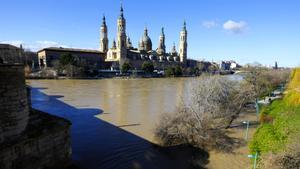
x: 255, y: 159
x: 257, y: 108
x: 247, y: 123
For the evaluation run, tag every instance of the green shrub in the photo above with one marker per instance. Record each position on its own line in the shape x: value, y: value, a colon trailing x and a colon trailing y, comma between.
x: 148, y: 67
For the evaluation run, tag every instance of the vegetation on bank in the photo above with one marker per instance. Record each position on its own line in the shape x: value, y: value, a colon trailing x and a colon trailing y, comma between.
x: 278, y: 135
x: 215, y: 101
x: 72, y: 66
x: 263, y: 80
x: 173, y: 71
x: 148, y: 67
x: 214, y: 104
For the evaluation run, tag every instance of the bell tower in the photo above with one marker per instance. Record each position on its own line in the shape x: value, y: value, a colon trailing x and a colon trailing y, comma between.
x: 183, y: 44
x: 121, y: 36
x: 161, y: 50
x: 103, y: 36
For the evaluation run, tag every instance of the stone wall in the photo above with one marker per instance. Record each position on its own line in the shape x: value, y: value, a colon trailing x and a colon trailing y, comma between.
x: 13, y: 102
x: 10, y: 54
x: 45, y: 144
x: 29, y: 139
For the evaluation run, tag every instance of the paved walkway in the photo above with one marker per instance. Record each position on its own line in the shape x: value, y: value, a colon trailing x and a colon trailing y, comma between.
x: 277, y: 94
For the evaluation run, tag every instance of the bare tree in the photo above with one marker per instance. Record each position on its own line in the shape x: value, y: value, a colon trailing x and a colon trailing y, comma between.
x: 215, y: 101
x: 263, y: 80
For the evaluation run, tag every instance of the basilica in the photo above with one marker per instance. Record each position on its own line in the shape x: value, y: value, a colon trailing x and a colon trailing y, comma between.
x: 123, y: 51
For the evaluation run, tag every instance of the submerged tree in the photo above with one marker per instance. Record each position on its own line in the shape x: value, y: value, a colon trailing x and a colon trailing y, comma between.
x: 215, y: 102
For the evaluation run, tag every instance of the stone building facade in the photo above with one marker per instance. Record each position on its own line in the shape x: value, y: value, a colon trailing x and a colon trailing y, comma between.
x: 29, y: 139
x: 92, y: 58
x: 10, y: 54
x: 123, y: 51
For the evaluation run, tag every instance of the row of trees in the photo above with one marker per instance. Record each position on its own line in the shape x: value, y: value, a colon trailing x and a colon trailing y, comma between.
x: 171, y: 71
x: 264, y: 80
x: 147, y: 67
x: 214, y: 103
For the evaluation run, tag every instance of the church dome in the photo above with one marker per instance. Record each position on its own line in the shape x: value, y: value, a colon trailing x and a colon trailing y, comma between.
x: 146, y: 41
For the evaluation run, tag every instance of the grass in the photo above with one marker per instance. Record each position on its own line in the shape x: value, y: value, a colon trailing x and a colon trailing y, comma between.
x: 280, y: 120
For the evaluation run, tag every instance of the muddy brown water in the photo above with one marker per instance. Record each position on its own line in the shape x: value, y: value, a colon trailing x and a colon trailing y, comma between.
x: 113, y: 122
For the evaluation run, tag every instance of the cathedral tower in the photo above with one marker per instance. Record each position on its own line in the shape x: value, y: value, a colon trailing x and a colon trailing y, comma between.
x: 161, y: 50
x: 103, y: 37
x: 183, y: 44
x: 121, y: 36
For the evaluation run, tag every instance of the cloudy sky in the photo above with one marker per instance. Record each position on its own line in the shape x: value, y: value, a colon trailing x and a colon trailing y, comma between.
x: 243, y: 30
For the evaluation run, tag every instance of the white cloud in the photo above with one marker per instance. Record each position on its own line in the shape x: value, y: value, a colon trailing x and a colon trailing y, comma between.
x: 37, y: 45
x: 210, y: 24
x: 34, y: 46
x: 235, y: 27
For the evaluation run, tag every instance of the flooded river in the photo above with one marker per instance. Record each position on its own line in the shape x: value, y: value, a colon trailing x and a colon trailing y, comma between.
x: 113, y: 120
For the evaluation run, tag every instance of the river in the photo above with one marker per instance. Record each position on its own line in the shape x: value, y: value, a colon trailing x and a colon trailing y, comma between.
x: 113, y: 120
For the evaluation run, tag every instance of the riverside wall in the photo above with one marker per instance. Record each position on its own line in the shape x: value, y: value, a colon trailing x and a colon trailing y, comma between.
x: 29, y: 139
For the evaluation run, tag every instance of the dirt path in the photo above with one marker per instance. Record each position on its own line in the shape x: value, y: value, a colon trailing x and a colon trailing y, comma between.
x: 238, y: 159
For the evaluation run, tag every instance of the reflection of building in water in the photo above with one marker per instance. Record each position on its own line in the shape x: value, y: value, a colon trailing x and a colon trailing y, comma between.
x: 122, y: 50
x: 180, y: 92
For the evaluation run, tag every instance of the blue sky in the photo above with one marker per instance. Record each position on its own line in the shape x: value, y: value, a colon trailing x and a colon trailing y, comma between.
x: 243, y: 30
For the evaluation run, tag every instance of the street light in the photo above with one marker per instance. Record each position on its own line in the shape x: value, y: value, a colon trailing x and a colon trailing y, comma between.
x: 255, y: 159
x: 247, y: 123
x: 257, y: 108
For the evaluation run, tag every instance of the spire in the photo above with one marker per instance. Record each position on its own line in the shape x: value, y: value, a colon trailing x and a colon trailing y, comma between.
x: 103, y: 20
x: 121, y: 11
x: 161, y: 46
x: 162, y: 31
x: 146, y: 31
x: 129, y: 44
x: 184, y: 26
x: 114, y: 46
x: 173, y: 51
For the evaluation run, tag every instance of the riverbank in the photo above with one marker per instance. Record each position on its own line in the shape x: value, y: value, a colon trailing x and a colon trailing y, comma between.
x: 279, y: 122
x: 52, y: 74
